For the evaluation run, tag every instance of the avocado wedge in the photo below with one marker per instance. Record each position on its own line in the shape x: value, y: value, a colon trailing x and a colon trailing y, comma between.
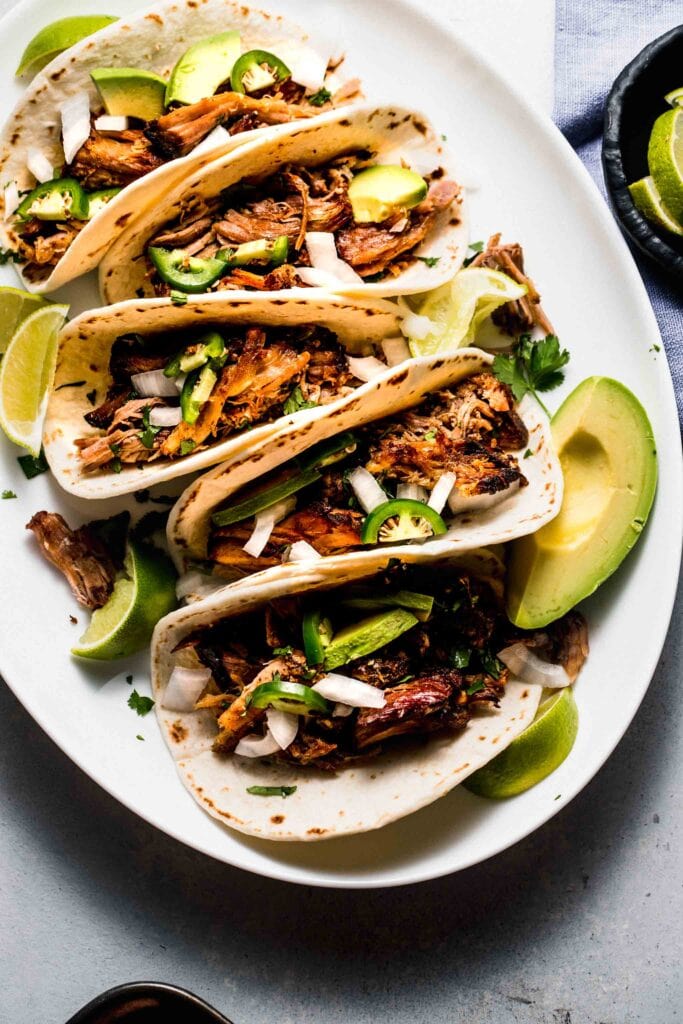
x: 130, y: 92
x: 366, y: 636
x: 203, y: 67
x: 605, y: 444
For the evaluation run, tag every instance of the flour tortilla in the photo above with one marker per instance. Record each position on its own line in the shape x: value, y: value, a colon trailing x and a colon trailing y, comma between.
x: 392, y: 133
x: 83, y: 355
x: 359, y: 798
x: 152, y: 40
x: 524, y: 512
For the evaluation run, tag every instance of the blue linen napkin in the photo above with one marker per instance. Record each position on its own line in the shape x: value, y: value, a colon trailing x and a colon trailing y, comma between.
x: 594, y: 40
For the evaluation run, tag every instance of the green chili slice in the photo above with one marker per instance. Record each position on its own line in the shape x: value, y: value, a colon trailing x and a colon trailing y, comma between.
x: 401, y: 519
x: 294, y: 698
x: 256, y: 70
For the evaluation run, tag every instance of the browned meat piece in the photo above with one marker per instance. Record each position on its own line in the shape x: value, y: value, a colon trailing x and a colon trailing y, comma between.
x: 307, y: 749
x: 183, y: 235
x: 240, y: 718
x: 523, y: 314
x: 372, y: 248
x: 482, y: 408
x: 412, y: 707
x: 43, y: 243
x: 78, y: 554
x: 246, y: 123
x: 564, y: 642
x: 176, y: 133
x: 103, y: 415
x: 382, y: 671
x: 107, y: 162
x: 129, y: 355
x: 122, y: 441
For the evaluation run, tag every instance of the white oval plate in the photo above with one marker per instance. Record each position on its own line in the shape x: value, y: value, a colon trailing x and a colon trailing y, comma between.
x: 534, y: 189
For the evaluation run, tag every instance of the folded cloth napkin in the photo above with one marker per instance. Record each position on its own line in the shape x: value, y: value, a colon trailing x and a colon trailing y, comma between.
x: 594, y: 40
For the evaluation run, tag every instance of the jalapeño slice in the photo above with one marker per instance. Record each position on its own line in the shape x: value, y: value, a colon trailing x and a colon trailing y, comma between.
x: 294, y: 698
x: 193, y: 357
x: 264, y: 499
x: 400, y: 520
x: 334, y: 449
x: 261, y: 250
x: 256, y: 70
x: 187, y: 273
x: 196, y: 392
x: 60, y: 199
x: 317, y: 634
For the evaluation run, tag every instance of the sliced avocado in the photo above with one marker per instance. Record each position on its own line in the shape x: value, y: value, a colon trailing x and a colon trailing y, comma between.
x: 202, y: 68
x: 420, y: 604
x: 130, y: 92
x: 378, y: 192
x: 605, y: 444
x: 366, y: 636
x: 264, y: 497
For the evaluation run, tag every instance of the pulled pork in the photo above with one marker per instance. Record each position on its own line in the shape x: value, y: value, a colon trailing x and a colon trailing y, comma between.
x: 523, y: 314
x: 78, y: 554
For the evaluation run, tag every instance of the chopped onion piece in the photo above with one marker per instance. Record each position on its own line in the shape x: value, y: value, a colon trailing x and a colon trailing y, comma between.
x: 316, y: 278
x: 301, y: 551
x: 342, y: 710
x: 395, y: 350
x: 442, y: 488
x: 322, y: 252
x: 527, y: 666
x: 282, y: 726
x: 350, y: 691
x: 184, y: 687
x: 257, y: 746
x: 218, y: 137
x: 165, y: 416
x: 366, y: 488
x: 416, y: 326
x: 11, y: 198
x: 365, y: 367
x: 153, y: 384
x: 308, y: 68
x: 415, y: 492
x: 108, y: 123
x: 75, y: 123
x: 39, y: 165
x: 264, y: 524
x: 179, y: 381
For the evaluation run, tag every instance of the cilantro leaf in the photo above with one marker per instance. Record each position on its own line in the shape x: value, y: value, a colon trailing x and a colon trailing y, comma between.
x: 282, y: 651
x: 187, y: 446
x: 33, y: 465
x: 459, y: 657
x: 490, y: 663
x: 8, y: 494
x: 475, y: 248
x: 475, y: 687
x: 532, y: 366
x: 429, y: 261
x: 319, y: 98
x: 282, y: 791
x: 148, y: 432
x: 296, y: 402
x: 508, y: 370
x: 142, y: 705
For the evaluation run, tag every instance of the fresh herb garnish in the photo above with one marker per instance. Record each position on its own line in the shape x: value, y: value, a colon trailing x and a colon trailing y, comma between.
x: 33, y: 465
x: 527, y: 454
x: 320, y: 97
x: 296, y: 402
x: 475, y: 687
x: 178, y: 298
x: 8, y: 494
x: 475, y: 248
x: 429, y: 261
x: 91, y: 396
x: 187, y: 446
x: 282, y: 791
x: 459, y: 657
x: 71, y: 384
x: 139, y: 737
x: 9, y: 256
x: 282, y: 651
x: 139, y: 703
x: 533, y: 366
x: 491, y: 663
x: 148, y: 432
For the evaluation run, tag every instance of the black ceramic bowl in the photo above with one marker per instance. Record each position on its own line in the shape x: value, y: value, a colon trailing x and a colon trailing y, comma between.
x: 634, y: 103
x: 147, y: 1002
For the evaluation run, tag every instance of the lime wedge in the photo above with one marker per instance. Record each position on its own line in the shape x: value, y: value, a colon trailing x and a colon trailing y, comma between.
x: 675, y: 97
x: 26, y: 375
x: 665, y: 160
x: 537, y: 752
x: 458, y: 307
x: 57, y: 37
x: 648, y: 200
x: 15, y: 306
x: 139, y: 599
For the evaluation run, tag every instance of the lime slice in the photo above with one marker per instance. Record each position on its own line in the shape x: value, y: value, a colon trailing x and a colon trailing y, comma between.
x: 675, y: 97
x: 57, y: 37
x: 139, y: 599
x: 15, y: 306
x: 665, y: 160
x: 26, y: 375
x: 537, y: 752
x: 458, y: 307
x: 648, y: 200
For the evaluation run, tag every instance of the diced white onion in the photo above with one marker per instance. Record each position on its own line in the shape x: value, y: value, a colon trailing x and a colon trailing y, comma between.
x: 179, y: 381
x: 39, y: 165
x: 308, y: 66
x: 442, y: 488
x: 196, y: 583
x: 75, y: 114
x: 316, y: 278
x: 365, y: 367
x: 264, y: 524
x: 416, y: 326
x: 153, y: 384
x: 395, y: 350
x: 257, y: 746
x: 301, y: 551
x: 366, y: 488
x: 282, y: 726
x: 350, y: 691
x: 11, y: 198
x: 342, y: 710
x: 527, y: 666
x: 184, y: 687
x: 165, y: 416
x: 414, y: 492
x: 108, y: 123
x: 218, y: 137
x: 323, y: 255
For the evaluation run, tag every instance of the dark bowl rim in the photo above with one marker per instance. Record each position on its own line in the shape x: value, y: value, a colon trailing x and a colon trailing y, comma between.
x: 631, y: 220
x: 139, y: 988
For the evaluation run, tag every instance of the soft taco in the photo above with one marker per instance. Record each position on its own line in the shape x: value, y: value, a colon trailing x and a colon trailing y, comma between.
x: 457, y: 464
x: 145, y: 392
x: 360, y: 201
x: 358, y: 699
x: 109, y: 125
